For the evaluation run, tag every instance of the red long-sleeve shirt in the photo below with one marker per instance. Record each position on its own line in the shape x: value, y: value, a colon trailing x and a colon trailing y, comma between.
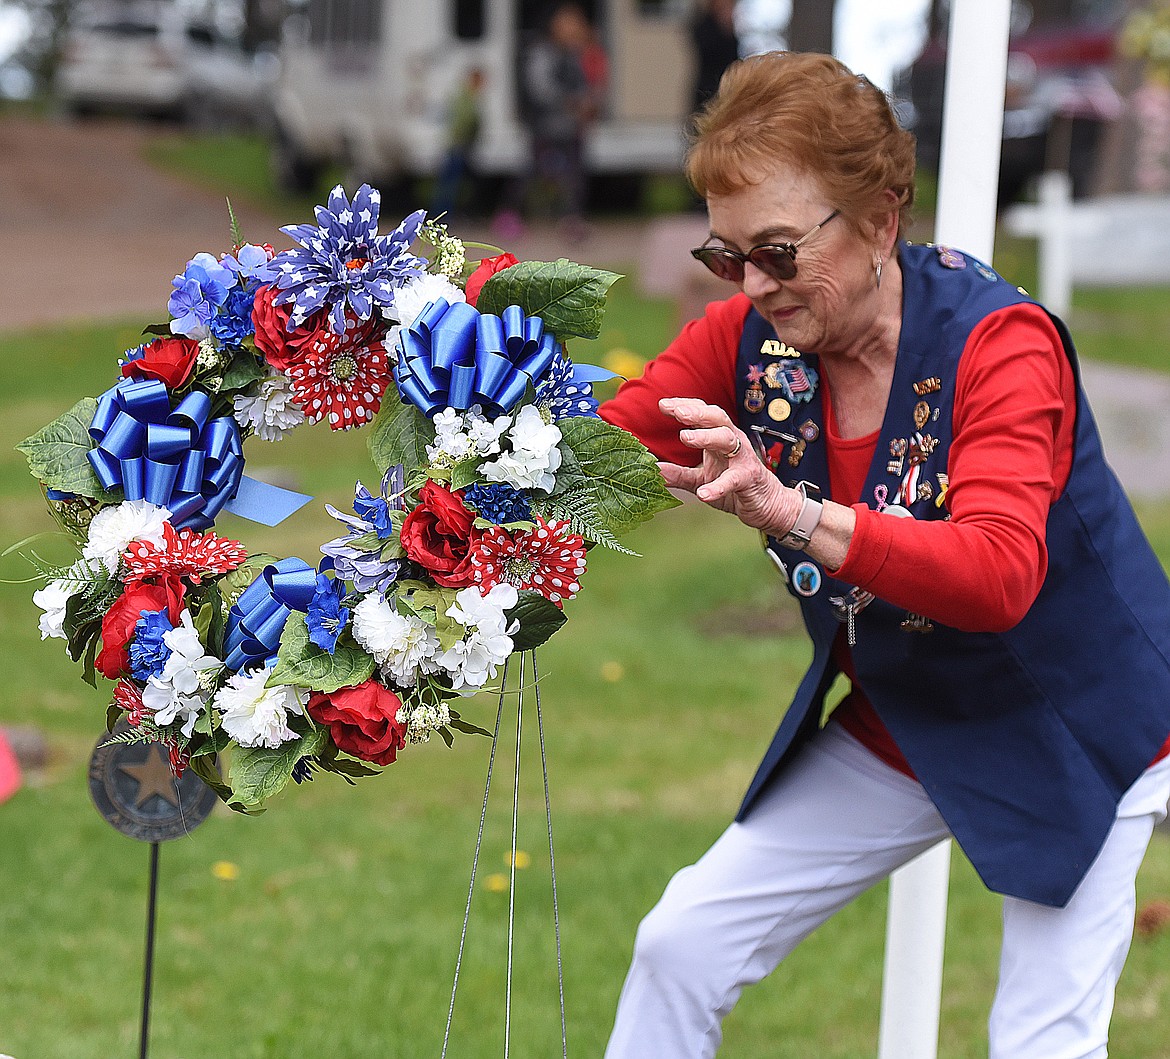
x: 1014, y: 420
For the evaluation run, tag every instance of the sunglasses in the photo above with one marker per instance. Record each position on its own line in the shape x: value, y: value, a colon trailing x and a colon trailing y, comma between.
x: 777, y: 260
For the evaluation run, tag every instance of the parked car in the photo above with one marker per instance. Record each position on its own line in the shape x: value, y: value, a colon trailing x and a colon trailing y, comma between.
x: 125, y: 57
x: 153, y: 57
x: 1059, y: 98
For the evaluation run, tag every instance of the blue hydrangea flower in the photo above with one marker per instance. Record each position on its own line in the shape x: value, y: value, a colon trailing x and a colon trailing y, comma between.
x: 343, y: 263
x: 375, y: 510
x: 327, y: 617
x: 498, y: 503
x: 563, y: 396
x: 148, y: 651
x: 198, y: 293
x: 233, y: 323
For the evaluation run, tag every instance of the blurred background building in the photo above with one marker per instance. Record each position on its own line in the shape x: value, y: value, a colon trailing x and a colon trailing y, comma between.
x: 366, y: 85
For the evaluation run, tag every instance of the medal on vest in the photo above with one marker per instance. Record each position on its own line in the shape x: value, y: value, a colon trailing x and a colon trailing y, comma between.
x: 949, y: 258
x: 925, y: 386
x: 795, y: 380
x: 779, y: 409
x: 944, y: 483
x: 847, y: 607
x: 807, y: 579
x: 754, y: 398
x: 809, y: 431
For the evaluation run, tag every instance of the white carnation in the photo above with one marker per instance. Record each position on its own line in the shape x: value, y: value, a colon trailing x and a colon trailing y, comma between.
x: 256, y: 715
x: 401, y: 644
x: 533, y: 455
x: 113, y: 528
x: 411, y: 298
x: 271, y: 413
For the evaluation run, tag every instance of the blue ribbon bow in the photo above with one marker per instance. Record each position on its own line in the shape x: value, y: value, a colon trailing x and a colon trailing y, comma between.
x: 453, y: 356
x: 179, y: 459
x: 257, y: 618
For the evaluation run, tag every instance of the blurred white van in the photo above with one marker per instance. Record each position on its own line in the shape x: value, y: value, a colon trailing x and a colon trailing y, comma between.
x: 125, y: 56
x: 164, y: 58
x: 367, y: 83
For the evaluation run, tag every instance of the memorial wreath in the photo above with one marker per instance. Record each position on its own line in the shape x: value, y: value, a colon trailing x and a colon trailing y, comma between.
x: 494, y: 477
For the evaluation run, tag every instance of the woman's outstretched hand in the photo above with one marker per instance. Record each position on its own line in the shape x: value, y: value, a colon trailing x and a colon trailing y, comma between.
x: 730, y: 476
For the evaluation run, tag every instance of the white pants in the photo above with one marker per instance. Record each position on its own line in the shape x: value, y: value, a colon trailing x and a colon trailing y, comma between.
x: 836, y: 822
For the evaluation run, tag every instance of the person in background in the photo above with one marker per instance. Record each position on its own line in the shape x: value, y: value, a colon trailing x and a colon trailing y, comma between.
x: 557, y: 108
x: 463, y: 123
x: 907, y: 432
x: 715, y: 46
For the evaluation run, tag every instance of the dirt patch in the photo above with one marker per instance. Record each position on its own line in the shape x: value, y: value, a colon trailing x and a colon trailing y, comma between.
x: 91, y: 230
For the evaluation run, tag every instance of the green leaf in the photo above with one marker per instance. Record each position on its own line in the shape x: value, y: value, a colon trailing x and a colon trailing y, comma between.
x: 303, y: 664
x: 245, y: 369
x: 56, y: 453
x: 465, y: 473
x: 539, y: 619
x: 348, y: 767
x: 625, y: 486
x: 205, y: 768
x: 257, y: 773
x: 460, y: 725
x: 237, y: 233
x: 568, y: 297
x: 399, y: 434
x: 437, y: 600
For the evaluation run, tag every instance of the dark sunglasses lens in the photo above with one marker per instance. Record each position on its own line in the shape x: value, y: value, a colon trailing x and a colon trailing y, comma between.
x: 775, y: 261
x: 721, y: 262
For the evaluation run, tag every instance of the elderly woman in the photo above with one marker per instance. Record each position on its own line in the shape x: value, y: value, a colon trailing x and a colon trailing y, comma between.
x: 908, y: 433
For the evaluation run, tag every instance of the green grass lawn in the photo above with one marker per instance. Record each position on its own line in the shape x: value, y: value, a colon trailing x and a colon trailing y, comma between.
x: 337, y: 938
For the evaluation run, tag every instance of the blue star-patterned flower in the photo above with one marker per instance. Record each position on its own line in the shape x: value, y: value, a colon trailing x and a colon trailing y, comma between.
x: 342, y: 263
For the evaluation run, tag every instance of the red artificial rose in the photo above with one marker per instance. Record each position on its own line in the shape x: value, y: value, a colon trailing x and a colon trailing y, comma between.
x: 169, y: 360
x: 438, y: 535
x: 118, y: 624
x: 361, y: 720
x: 484, y: 271
x: 280, y: 346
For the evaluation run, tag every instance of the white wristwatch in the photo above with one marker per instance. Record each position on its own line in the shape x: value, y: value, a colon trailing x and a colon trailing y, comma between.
x: 807, y: 521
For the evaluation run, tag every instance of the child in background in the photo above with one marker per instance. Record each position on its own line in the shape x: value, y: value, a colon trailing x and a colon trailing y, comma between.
x: 463, y: 124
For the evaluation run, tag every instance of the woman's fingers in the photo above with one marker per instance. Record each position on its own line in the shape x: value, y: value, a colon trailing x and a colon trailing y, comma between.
x: 705, y: 426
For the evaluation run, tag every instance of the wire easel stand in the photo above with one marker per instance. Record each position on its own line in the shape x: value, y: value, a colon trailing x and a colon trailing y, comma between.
x: 512, y: 857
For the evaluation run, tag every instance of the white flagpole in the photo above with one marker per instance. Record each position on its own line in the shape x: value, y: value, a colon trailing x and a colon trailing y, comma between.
x: 967, y: 185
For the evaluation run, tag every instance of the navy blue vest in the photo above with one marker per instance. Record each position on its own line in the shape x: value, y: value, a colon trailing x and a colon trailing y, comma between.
x: 1025, y: 740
